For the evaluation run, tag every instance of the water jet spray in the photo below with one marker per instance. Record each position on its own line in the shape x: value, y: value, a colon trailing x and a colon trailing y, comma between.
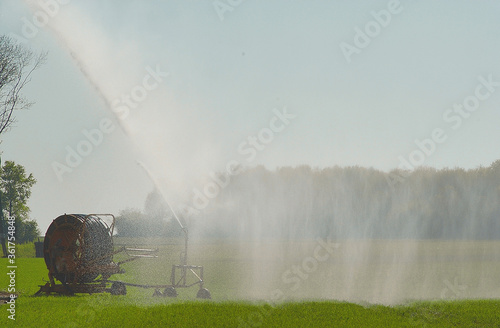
x: 79, y: 248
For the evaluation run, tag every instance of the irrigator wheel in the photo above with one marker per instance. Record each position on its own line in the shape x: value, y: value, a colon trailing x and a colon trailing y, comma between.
x: 170, y: 292
x: 204, y: 293
x: 118, y: 288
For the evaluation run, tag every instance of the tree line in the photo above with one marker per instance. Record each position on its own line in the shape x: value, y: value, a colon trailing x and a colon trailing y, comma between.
x: 292, y: 203
x: 356, y: 202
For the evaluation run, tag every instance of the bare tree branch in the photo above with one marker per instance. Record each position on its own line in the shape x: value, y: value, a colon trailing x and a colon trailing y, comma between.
x: 17, y: 63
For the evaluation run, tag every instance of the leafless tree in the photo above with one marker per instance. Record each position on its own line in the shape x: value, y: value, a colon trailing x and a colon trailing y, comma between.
x: 17, y: 63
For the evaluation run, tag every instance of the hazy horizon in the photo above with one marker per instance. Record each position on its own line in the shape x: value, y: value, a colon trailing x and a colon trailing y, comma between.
x: 373, y: 84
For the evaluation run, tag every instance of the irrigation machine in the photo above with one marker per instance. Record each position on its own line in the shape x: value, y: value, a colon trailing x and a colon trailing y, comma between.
x: 78, y: 250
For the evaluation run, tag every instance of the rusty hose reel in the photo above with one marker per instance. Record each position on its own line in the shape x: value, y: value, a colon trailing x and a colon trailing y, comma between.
x: 78, y: 251
x: 78, y: 248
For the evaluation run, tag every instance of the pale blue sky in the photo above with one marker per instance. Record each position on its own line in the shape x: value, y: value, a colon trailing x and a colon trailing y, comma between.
x: 226, y: 77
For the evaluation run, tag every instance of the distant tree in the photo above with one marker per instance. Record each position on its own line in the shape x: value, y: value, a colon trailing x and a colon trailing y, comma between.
x: 27, y: 231
x: 15, y: 190
x: 155, y: 207
x: 159, y: 216
x: 156, y: 221
x: 17, y: 63
x: 495, y: 165
x: 130, y: 223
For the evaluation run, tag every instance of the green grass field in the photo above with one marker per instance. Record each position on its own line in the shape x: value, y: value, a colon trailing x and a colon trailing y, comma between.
x: 228, y: 271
